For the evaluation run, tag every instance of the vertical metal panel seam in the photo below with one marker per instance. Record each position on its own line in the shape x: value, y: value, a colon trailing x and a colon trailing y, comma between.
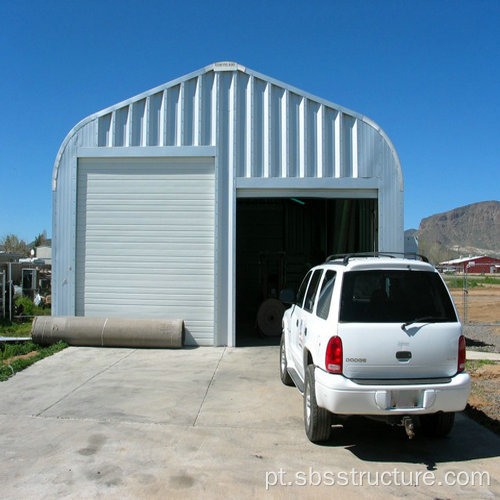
x: 231, y: 125
x: 320, y: 141
x: 132, y: 113
x: 146, y: 122
x: 161, y: 124
x: 354, y: 142
x: 338, y: 145
x: 271, y: 136
x: 213, y: 128
x: 126, y: 134
x: 111, y: 137
x: 285, y: 131
x: 302, y: 137
x: 164, y: 118
x: 180, y: 116
x: 197, y: 113
x: 249, y: 127
x: 266, y: 131
x: 96, y: 133
x: 253, y: 160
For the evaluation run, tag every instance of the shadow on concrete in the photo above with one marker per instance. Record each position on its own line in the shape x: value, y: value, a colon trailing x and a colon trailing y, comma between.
x: 483, y: 419
x: 476, y: 343
x: 373, y: 441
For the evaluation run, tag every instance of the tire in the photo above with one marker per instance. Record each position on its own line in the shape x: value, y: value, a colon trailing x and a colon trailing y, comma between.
x: 437, y: 424
x: 317, y: 421
x: 284, y: 375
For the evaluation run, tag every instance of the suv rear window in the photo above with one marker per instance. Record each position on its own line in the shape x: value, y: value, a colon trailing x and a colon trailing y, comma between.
x: 390, y: 296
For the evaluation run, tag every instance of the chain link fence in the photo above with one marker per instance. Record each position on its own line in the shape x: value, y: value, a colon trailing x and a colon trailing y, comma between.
x: 477, y: 298
x: 3, y: 294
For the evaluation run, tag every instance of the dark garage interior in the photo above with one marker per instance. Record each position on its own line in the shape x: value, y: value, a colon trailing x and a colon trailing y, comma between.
x: 278, y: 240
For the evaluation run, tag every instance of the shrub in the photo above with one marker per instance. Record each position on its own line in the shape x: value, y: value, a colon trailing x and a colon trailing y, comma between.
x: 29, y: 308
x: 26, y: 304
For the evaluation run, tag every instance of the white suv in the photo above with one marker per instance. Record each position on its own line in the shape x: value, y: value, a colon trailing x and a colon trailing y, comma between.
x: 375, y: 335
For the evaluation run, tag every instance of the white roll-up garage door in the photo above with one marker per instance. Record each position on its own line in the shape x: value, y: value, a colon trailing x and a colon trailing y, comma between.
x: 145, y: 241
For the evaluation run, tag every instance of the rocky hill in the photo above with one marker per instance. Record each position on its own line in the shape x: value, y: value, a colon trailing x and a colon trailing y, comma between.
x: 470, y: 230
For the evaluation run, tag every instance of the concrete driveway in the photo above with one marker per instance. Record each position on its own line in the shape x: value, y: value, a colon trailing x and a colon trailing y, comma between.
x: 205, y: 423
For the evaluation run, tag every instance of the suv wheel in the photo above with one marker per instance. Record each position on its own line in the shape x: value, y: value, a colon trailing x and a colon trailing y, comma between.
x: 284, y: 375
x: 317, y: 421
x: 437, y: 424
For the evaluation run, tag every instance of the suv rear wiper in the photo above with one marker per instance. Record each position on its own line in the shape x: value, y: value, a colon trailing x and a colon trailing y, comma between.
x: 426, y: 319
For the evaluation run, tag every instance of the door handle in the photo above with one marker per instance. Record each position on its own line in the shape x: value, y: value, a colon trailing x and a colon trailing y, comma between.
x: 305, y: 331
x: 297, y: 323
x: 403, y: 355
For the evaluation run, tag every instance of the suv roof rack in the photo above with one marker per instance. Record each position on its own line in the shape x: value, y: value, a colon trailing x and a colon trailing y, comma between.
x: 346, y: 256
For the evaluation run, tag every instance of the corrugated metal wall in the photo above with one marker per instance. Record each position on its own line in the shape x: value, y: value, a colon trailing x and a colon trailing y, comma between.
x: 261, y: 129
x: 274, y: 131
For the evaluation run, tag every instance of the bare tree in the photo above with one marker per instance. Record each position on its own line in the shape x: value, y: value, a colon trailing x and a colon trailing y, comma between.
x: 40, y: 240
x: 12, y: 244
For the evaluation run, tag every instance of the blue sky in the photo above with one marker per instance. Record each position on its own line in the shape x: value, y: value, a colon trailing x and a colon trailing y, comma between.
x: 428, y: 72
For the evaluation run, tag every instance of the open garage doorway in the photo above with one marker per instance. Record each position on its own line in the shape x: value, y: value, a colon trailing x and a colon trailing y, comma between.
x: 278, y: 240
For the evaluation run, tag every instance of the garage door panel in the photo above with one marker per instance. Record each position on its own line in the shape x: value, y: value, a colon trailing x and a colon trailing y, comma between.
x: 146, y: 292
x: 131, y: 217
x: 145, y: 241
x: 193, y: 251
x: 177, y: 281
x: 174, y: 267
x: 178, y: 310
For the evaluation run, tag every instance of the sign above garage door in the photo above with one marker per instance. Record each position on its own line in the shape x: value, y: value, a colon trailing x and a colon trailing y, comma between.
x: 145, y: 241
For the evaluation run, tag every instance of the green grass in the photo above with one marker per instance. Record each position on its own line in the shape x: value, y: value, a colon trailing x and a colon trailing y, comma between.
x: 491, y: 280
x: 10, y: 350
x: 15, y: 329
x: 458, y: 282
x: 474, y: 364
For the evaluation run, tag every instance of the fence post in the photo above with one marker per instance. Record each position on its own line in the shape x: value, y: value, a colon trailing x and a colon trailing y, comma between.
x: 466, y: 292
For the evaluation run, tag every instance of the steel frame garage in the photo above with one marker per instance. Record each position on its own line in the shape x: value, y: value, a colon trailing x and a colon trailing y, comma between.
x: 145, y: 192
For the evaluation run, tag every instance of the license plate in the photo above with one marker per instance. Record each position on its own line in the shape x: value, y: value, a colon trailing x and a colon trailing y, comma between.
x: 406, y: 399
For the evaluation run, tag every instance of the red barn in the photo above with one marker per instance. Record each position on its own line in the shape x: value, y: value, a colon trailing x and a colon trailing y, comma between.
x: 476, y: 265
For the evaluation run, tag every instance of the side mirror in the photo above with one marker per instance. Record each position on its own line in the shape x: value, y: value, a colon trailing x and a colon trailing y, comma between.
x: 287, y: 296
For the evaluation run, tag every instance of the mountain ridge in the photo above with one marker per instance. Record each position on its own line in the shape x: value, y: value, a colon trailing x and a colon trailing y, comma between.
x: 468, y: 230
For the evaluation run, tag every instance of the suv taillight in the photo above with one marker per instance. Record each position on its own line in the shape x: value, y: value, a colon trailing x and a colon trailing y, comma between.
x: 461, y: 354
x: 333, y: 358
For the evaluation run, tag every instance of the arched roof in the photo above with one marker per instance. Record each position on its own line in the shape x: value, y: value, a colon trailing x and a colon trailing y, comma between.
x: 275, y: 129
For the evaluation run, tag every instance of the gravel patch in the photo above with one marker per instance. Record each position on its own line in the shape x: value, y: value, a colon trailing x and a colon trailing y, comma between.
x: 484, y: 400
x: 482, y: 338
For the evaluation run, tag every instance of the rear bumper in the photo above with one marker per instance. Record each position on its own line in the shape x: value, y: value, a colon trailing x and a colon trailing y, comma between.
x: 342, y: 396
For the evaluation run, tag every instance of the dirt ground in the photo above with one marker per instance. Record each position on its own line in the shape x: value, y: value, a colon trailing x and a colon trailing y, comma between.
x: 482, y: 312
x: 484, y: 400
x: 483, y: 303
x: 21, y: 356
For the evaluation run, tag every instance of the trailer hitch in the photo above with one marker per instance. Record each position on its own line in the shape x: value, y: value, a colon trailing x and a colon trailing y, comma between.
x: 409, y: 427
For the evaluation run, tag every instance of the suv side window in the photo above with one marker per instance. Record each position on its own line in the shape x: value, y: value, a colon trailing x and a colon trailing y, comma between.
x: 312, y: 290
x: 325, y: 294
x: 302, y: 289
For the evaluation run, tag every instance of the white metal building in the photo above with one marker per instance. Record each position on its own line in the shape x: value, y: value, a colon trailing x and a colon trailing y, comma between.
x: 171, y: 203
